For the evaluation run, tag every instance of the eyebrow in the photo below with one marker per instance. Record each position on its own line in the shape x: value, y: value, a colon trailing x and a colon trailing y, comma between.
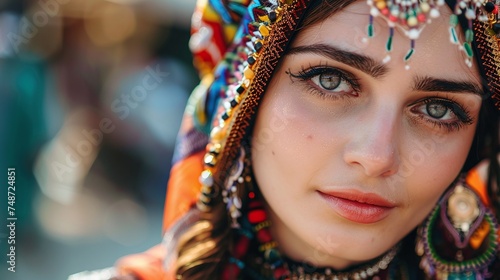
x: 361, y: 62
x: 378, y: 69
x: 431, y: 85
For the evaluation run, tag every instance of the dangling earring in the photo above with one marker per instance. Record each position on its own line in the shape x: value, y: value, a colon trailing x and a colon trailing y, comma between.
x: 459, y: 237
x: 234, y: 183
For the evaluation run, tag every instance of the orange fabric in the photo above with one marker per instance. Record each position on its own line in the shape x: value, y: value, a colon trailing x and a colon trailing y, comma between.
x: 183, y: 188
x: 145, y: 266
x: 476, y: 182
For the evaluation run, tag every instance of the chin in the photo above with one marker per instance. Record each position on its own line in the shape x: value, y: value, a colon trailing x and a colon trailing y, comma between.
x: 354, y: 246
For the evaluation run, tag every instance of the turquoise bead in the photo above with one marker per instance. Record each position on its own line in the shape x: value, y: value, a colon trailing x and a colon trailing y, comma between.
x: 409, y: 54
x: 273, y: 255
x: 468, y: 49
x: 454, y: 37
x: 388, y: 46
x: 370, y: 30
x: 453, y: 20
x: 469, y: 35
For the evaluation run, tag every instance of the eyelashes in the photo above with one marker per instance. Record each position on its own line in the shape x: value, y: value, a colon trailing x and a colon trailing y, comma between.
x: 328, y: 82
x: 336, y: 85
x: 443, y: 113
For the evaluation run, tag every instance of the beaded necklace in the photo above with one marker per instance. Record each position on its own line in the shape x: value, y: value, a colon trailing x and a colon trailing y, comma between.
x: 378, y: 268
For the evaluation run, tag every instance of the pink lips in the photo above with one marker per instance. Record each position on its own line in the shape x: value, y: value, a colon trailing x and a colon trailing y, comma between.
x: 365, y: 208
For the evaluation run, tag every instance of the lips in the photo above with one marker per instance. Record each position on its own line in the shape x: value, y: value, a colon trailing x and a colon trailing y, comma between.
x: 358, y: 207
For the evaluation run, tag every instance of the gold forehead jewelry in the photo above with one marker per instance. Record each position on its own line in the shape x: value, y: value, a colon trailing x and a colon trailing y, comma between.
x: 412, y: 16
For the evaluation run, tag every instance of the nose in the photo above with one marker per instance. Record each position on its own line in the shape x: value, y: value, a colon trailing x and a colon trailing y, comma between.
x: 374, y: 144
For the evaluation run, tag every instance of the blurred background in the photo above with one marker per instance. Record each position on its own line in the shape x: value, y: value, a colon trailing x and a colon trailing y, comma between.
x: 91, y: 98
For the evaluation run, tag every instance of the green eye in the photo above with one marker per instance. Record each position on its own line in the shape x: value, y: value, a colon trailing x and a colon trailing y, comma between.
x: 329, y: 81
x: 442, y: 113
x: 436, y: 110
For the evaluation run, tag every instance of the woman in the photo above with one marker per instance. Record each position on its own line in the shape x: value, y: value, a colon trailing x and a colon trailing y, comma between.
x: 348, y: 140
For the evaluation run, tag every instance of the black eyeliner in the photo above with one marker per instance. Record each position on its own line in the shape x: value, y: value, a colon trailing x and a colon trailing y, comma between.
x: 309, y: 73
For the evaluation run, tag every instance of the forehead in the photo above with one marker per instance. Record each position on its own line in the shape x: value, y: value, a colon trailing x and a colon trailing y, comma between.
x: 434, y: 54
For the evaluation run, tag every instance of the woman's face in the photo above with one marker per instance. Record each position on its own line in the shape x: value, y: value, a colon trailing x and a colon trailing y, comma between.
x: 350, y: 153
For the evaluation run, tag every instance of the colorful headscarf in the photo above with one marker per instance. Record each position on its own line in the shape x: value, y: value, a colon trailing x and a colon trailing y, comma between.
x: 236, y: 50
x: 231, y: 44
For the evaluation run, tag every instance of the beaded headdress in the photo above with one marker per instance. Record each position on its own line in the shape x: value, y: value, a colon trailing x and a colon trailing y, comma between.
x: 237, y: 45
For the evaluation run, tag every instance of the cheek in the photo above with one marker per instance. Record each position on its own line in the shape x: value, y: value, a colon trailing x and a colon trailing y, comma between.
x: 286, y: 146
x: 431, y: 165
